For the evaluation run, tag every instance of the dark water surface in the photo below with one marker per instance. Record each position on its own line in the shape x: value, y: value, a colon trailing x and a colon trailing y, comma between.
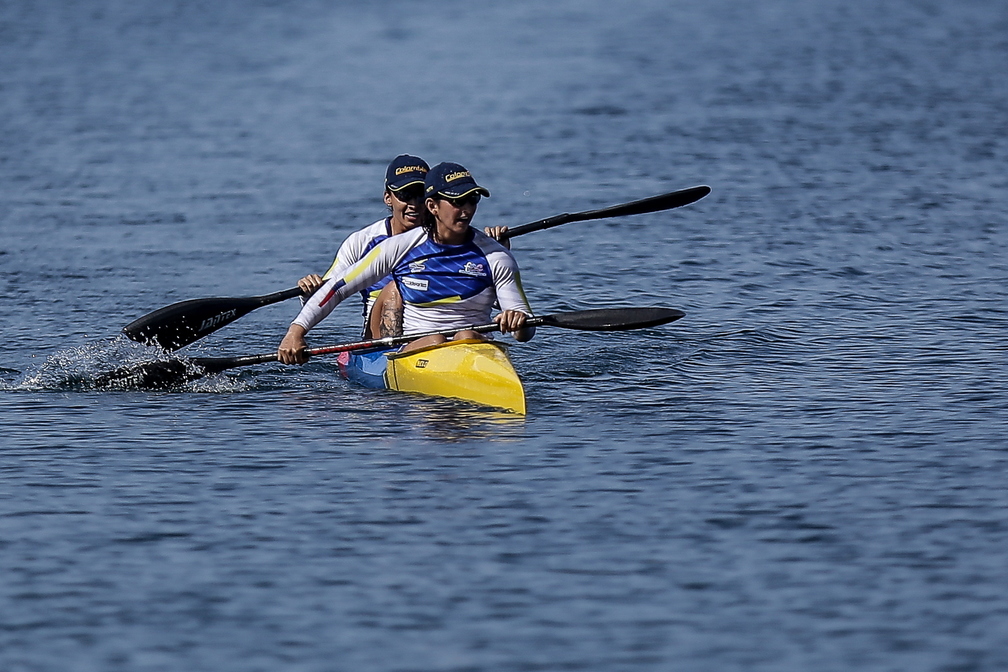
x: 807, y: 472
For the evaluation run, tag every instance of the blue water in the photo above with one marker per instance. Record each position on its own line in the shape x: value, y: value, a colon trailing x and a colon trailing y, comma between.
x: 807, y: 472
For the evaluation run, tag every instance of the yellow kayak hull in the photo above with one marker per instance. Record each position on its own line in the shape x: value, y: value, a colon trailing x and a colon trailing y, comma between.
x: 470, y: 369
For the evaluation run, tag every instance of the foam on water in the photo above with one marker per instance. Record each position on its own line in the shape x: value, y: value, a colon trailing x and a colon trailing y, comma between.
x: 119, y: 364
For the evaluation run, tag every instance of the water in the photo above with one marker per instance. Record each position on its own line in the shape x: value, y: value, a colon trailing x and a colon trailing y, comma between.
x: 806, y: 472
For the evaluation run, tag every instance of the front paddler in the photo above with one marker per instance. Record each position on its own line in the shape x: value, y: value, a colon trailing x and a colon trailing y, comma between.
x: 448, y: 273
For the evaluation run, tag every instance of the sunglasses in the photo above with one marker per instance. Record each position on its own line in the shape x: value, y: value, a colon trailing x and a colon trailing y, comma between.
x: 409, y: 194
x: 471, y: 199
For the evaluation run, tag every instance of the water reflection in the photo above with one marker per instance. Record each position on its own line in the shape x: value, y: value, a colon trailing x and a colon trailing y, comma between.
x: 357, y: 414
x: 448, y: 421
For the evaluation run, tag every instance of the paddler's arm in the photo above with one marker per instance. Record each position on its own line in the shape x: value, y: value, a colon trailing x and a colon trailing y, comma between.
x: 512, y: 321
x: 375, y: 265
x: 293, y: 348
x: 510, y: 296
x: 349, y: 252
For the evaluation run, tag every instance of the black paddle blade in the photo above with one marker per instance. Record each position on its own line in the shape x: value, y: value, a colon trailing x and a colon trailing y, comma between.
x: 613, y: 319
x: 171, y: 373
x: 180, y: 324
x: 675, y: 199
x: 160, y: 375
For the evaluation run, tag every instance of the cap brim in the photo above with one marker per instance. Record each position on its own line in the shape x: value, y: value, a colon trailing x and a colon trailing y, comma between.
x: 400, y: 187
x: 462, y: 193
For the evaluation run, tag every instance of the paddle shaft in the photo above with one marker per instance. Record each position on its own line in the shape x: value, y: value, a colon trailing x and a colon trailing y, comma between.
x: 216, y: 364
x: 605, y: 319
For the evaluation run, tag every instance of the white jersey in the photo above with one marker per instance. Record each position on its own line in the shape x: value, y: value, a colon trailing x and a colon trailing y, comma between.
x: 442, y: 286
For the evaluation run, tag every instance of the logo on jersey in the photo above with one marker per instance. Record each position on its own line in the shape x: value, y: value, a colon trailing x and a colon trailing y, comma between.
x: 476, y: 270
x: 413, y: 283
x: 417, y: 267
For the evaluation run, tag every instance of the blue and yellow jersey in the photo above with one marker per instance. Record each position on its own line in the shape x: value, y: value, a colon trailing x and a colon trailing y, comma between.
x: 443, y: 286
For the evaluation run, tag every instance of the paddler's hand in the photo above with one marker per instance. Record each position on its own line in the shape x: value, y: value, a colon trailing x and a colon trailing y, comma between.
x: 496, y: 232
x: 309, y: 284
x: 510, y: 321
x: 293, y: 349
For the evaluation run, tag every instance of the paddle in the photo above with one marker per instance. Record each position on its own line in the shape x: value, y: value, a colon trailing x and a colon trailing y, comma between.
x: 170, y: 373
x: 675, y: 199
x: 186, y: 322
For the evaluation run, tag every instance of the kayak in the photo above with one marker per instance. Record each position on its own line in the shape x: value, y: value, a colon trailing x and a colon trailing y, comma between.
x: 469, y: 369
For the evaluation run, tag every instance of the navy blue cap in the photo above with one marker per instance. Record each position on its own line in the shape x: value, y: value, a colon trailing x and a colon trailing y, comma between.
x: 451, y: 181
x: 405, y: 171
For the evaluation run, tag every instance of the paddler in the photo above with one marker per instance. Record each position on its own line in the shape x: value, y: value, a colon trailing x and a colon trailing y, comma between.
x: 404, y: 197
x: 448, y: 273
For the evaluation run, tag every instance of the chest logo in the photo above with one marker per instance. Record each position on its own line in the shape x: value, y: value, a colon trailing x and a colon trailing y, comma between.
x: 473, y: 269
x: 413, y: 283
x: 417, y: 266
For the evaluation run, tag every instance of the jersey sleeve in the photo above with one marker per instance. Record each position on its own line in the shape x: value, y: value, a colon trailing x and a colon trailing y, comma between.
x: 349, y: 253
x: 507, y: 283
x: 505, y: 274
